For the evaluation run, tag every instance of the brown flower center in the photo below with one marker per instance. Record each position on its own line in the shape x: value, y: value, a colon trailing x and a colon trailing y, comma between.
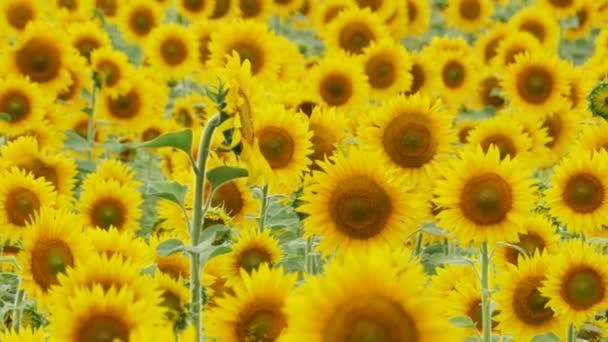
x: 488, y: 85
x: 203, y: 48
x: 502, y: 142
x: 486, y: 199
x: 221, y: 9
x: 583, y: 193
x: 108, y: 212
x: 109, y: 7
x: 418, y: 78
x: 561, y: 3
x: 453, y: 74
x: 125, y: 106
x: 86, y: 46
x: 141, y: 21
x: 39, y: 59
x: 491, y: 47
x: 323, y: 142
x: 251, y: 8
x: 110, y: 72
x: 535, y: 84
x: 463, y: 134
x: 16, y: 104
x: 40, y: 169
x: 230, y: 198
x: 49, y: 258
x: 530, y: 243
x: 355, y: 36
x: 336, y: 89
x: 252, y: 258
x: 529, y: 305
x: 470, y: 9
x: 535, y: 28
x: 412, y: 11
x: 18, y: 15
x: 21, y: 204
x: 193, y: 5
x: 263, y: 325
x: 331, y: 12
x: 276, y: 145
x: 582, y: 288
x: 103, y: 328
x: 381, y: 71
x: 409, y: 141
x: 251, y: 52
x: 173, y: 51
x: 554, y: 127
x: 151, y: 133
x: 360, y: 208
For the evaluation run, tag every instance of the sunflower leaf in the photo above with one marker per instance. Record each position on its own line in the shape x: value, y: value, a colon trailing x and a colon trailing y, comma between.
x: 224, y: 174
x: 550, y: 337
x: 169, y: 247
x: 463, y: 322
x: 181, y: 140
x: 171, y: 191
x: 209, y: 232
x: 207, y: 251
x: 5, y: 117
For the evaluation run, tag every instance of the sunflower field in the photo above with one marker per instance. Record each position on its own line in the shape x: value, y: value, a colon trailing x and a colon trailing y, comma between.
x: 303, y: 170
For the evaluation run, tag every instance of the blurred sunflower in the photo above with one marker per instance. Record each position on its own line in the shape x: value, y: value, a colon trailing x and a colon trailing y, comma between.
x: 323, y: 13
x: 423, y: 71
x: 328, y: 128
x: 418, y: 17
x: 593, y: 137
x: 562, y: 128
x: 24, y: 102
x: 125, y: 244
x: 113, y: 68
x: 486, y: 45
x: 539, y: 236
x: 488, y: 92
x: 353, y: 30
x: 175, y: 296
x: 87, y: 37
x: 468, y: 15
x: 456, y: 76
x: 506, y: 134
x: 252, y: 249
x: 176, y: 265
x: 512, y: 45
x: 137, y: 18
x: 203, y: 29
x: 15, y: 15
x: 109, y: 8
x: 561, y: 8
x: 172, y: 51
x: 194, y: 10
x: 587, y: 16
x: 258, y: 10
x: 387, y: 67
x: 533, y: 19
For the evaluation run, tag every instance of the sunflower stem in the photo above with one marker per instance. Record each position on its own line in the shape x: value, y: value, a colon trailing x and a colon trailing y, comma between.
x: 264, y: 207
x: 17, y: 311
x: 198, y: 218
x: 418, y: 248
x: 91, y: 121
x: 571, y: 333
x: 486, y: 311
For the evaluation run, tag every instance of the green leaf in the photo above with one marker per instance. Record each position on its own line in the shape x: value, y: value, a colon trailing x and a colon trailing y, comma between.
x: 150, y: 270
x: 172, y: 191
x: 5, y: 117
x: 181, y: 140
x: 207, y: 250
x: 433, y: 230
x: 550, y: 337
x: 86, y: 166
x: 224, y: 174
x: 169, y: 247
x: 456, y: 261
x: 209, y: 232
x: 463, y: 322
x: 75, y: 142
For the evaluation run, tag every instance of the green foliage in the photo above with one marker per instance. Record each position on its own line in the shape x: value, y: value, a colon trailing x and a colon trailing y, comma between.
x: 181, y: 140
x: 171, y: 191
x: 224, y: 174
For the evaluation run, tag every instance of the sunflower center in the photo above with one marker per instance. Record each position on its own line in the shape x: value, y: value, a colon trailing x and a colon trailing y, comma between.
x: 142, y: 21
x: 307, y: 107
x: 486, y: 199
x: 380, y: 72
x: 453, y: 74
x: 125, y: 106
x: 16, y: 105
x: 582, y: 288
x: 331, y: 12
x: 203, y: 49
x: 171, y: 267
x: 490, y: 49
x: 41, y: 169
x: 470, y: 9
x: 487, y: 86
x: 463, y: 134
x: 355, y: 36
x: 252, y: 258
x: 529, y: 243
x: 412, y: 11
x: 39, y: 59
x: 103, y: 328
x: 561, y: 3
x: 174, y: 51
x: 360, y: 208
x: 502, y: 142
x: 150, y: 133
x: 323, y: 142
x: 229, y: 197
x: 277, y: 146
x: 19, y: 15
x: 534, y: 28
x: 250, y: 8
x: 263, y: 326
x: 553, y: 124
x: 534, y: 84
x: 336, y: 89
x: 528, y: 303
x: 408, y: 140
x: 221, y: 8
x: 172, y: 302
x: 21, y: 203
x: 107, y: 213
x: 107, y: 6
x: 110, y: 72
x: 49, y: 258
x: 194, y: 5
x: 69, y: 93
x: 252, y: 53
x: 584, y: 193
x: 370, y: 319
x: 418, y: 78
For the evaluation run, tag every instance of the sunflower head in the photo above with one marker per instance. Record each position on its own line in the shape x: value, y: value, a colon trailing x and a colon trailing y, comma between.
x: 355, y: 29
x: 598, y: 100
x: 252, y: 249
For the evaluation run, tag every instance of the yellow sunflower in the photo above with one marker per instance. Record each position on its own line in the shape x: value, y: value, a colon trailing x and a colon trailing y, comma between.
x: 224, y: 9
x: 577, y: 195
x: 465, y: 301
x: 108, y: 204
x: 506, y: 134
x: 328, y: 128
x: 252, y: 41
x: 363, y: 297
x: 137, y: 18
x: 52, y: 243
x: 258, y: 10
x: 252, y: 249
x: 194, y: 10
x: 324, y: 12
x: 25, y: 334
x: 539, y: 235
x: 387, y: 67
x: 87, y: 37
x: 422, y: 71
x: 456, y: 75
x: 488, y: 86
x: 545, y: 28
x: 202, y: 30
x: 562, y: 129
x: 176, y: 265
x: 112, y: 315
x: 109, y: 8
x: 285, y: 8
x: 593, y: 137
x: 588, y: 17
x: 512, y: 45
x: 355, y: 204
x: 576, y: 282
x: 411, y: 133
x: 256, y: 310
x: 484, y: 198
x: 50, y: 139
x: 468, y: 15
x: 175, y: 296
x: 114, y: 70
x: 353, y: 30
x: 24, y: 102
x: 15, y: 15
x: 486, y: 45
x: 463, y: 128
x: 561, y: 8
x: 418, y: 17
x: 522, y: 309
x: 112, y: 242
x: 172, y: 51
x: 70, y: 99
x: 533, y: 83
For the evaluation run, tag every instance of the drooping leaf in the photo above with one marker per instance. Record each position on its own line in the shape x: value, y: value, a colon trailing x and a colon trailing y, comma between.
x: 224, y: 174
x: 171, y: 191
x: 181, y: 140
x: 463, y: 322
x: 169, y: 247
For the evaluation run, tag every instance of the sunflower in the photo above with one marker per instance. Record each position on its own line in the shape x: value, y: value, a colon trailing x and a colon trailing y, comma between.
x: 486, y: 45
x: 562, y: 129
x: 292, y: 63
x: 258, y: 10
x: 468, y: 15
x: 387, y: 67
x: 353, y: 30
x: 108, y: 204
x: 224, y: 9
x: 456, y: 75
x: 339, y: 81
x: 175, y: 296
x: 411, y: 133
x: 533, y: 20
x: 283, y: 141
x: 512, y: 45
x: 252, y: 41
x: 593, y: 137
x: 483, y: 197
x: 24, y: 334
x: 598, y: 100
x: 576, y: 197
x: 203, y: 29
x: 176, y: 265
x: 71, y: 10
x: 325, y: 12
x: 576, y: 281
x: 343, y: 304
x: 465, y: 301
x: 24, y: 102
x: 113, y: 68
x: 539, y: 235
x: 447, y: 278
x: 418, y: 17
x: 580, y: 87
x: 328, y: 128
x: 587, y: 15
x: 397, y: 22
x: 256, y: 310
x: 562, y: 8
x: 70, y: 99
x: 100, y: 315
x: 193, y: 10
x: 214, y: 280
x: 50, y: 138
x: 354, y: 204
x: 252, y: 249
x: 42, y: 55
x: 112, y: 242
x: 187, y: 111
x: 533, y: 83
x: 137, y: 18
x: 463, y: 128
x: 112, y: 169
x: 87, y: 37
x: 57, y: 169
x: 172, y: 51
x: 501, y: 131
x: 487, y: 92
x: 422, y: 71
x: 52, y: 243
x: 15, y: 15
x: 523, y: 313
x: 109, y: 8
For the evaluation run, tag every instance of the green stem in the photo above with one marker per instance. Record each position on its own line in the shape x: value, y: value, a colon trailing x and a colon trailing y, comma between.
x: 264, y: 207
x: 198, y: 218
x: 486, y: 312
x: 418, y: 245
x: 446, y: 247
x: 17, y: 313
x: 91, y: 121
x: 571, y: 333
